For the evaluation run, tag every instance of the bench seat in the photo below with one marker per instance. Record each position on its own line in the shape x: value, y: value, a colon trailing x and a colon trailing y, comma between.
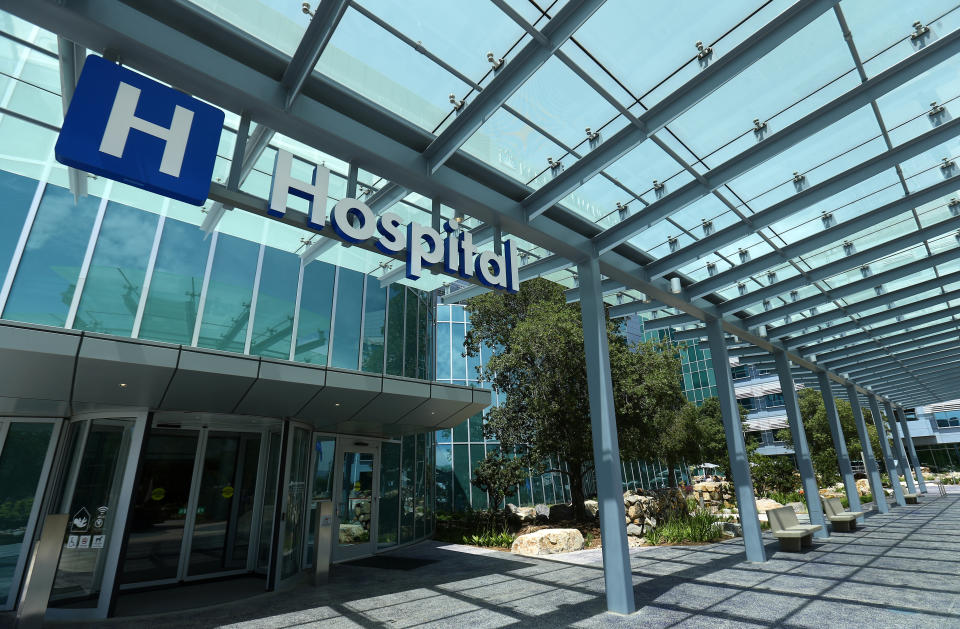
x: 792, y: 535
x: 911, y: 498
x: 842, y: 521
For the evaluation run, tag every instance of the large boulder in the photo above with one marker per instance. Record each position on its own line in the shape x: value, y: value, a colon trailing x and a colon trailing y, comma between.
x: 634, y: 530
x: 560, y: 513
x: 863, y: 486
x: 798, y: 507
x: 592, y: 507
x: 548, y: 542
x: 765, y: 504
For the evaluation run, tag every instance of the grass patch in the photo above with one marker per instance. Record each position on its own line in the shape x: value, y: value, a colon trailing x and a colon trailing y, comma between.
x: 500, y: 539
x: 864, y: 498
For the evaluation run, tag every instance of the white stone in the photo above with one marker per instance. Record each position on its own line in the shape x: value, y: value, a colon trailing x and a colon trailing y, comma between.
x: 591, y: 507
x: 548, y: 542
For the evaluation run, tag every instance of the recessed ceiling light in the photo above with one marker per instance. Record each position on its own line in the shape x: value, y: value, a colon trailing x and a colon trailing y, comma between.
x: 123, y: 385
x: 336, y: 403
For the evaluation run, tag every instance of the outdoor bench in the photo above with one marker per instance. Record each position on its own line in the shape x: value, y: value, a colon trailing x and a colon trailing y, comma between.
x: 789, y: 532
x: 841, y: 520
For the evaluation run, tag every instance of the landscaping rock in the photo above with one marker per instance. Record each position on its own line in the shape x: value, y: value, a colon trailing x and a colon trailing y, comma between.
x: 633, y: 512
x: 634, y: 530
x: 350, y: 533
x: 732, y: 528
x: 632, y: 499
x: 592, y: 507
x: 542, y: 513
x: 765, y: 504
x: 560, y: 513
x: 548, y: 542
x: 798, y: 507
x: 863, y: 486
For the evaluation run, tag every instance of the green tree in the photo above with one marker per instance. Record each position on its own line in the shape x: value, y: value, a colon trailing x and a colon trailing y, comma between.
x: 539, y: 369
x: 498, y: 476
x: 815, y: 424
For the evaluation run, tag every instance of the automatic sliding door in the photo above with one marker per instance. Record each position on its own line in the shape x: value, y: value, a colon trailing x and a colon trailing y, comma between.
x: 225, y: 503
x: 160, y: 505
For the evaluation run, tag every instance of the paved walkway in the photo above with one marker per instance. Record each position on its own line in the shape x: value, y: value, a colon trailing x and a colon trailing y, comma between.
x: 901, y: 570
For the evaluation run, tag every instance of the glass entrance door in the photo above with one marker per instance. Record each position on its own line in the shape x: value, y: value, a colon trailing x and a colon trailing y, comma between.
x: 26, y: 452
x: 357, y: 502
x: 195, y: 506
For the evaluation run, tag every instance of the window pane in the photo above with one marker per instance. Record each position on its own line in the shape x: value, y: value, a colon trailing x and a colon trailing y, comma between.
x: 111, y: 293
x: 21, y: 462
x: 17, y: 194
x: 316, y: 301
x: 171, y: 309
x: 410, y: 335
x: 461, y: 477
x: 476, y: 455
x: 420, y: 490
x: 346, y: 335
x: 389, y: 494
x: 374, y: 317
x: 444, y: 478
x: 276, y: 300
x: 226, y: 312
x: 395, y: 330
x: 323, y: 472
x: 443, y: 351
x: 47, y: 277
x: 407, y: 497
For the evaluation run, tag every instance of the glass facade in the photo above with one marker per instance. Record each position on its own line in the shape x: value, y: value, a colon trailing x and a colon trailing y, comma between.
x: 108, y: 267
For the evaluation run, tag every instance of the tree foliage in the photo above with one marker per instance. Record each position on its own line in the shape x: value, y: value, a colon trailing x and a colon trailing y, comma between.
x: 498, y: 476
x: 539, y: 368
x: 817, y: 428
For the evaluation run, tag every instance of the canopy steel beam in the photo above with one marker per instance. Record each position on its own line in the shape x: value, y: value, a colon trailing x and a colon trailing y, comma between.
x: 543, y: 266
x: 844, y: 264
x: 636, y: 308
x: 888, y: 460
x: 818, y: 120
x: 839, y: 442
x: 823, y: 347
x: 834, y: 234
x: 852, y: 288
x: 914, y: 338
x: 71, y: 59
x: 829, y: 318
x: 720, y: 70
x: 508, y: 80
x: 823, y: 191
x: 323, y: 23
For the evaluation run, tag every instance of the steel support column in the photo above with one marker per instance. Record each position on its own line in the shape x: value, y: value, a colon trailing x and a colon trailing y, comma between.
x: 736, y: 448
x: 903, y: 464
x: 913, y: 451
x: 800, y: 448
x: 887, y: 453
x: 839, y: 443
x: 866, y: 450
x: 606, y: 448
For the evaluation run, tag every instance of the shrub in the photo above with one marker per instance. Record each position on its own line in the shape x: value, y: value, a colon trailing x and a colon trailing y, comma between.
x: 864, y: 498
x: 785, y: 497
x: 702, y: 526
x: 490, y: 538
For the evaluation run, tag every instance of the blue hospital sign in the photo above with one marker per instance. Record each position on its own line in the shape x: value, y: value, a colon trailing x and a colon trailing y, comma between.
x: 127, y: 127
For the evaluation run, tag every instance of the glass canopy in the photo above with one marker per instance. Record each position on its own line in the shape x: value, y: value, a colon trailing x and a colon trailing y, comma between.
x: 791, y: 163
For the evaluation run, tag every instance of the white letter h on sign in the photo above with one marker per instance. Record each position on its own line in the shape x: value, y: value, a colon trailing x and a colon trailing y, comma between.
x: 123, y: 118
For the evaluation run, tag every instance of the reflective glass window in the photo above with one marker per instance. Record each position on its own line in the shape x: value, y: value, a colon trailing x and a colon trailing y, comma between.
x: 374, y: 319
x: 461, y: 477
x: 477, y: 454
x: 226, y: 311
x: 410, y: 334
x: 345, y: 352
x: 17, y: 194
x: 171, y: 309
x: 316, y: 303
x: 395, y: 325
x: 443, y: 351
x: 444, y: 475
x: 276, y: 300
x: 389, y: 516
x: 419, y: 486
x: 111, y: 293
x: 48, y: 272
x: 407, y: 484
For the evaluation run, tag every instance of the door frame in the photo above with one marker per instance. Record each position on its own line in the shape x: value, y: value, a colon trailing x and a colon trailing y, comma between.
x: 26, y: 546
x: 124, y: 495
x: 276, y: 554
x: 363, y: 445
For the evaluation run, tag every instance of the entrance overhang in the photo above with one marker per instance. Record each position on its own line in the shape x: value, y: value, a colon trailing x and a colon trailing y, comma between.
x: 47, y: 371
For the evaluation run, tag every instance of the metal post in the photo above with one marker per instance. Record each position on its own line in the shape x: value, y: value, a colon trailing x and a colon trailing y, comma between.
x: 913, y: 451
x: 887, y: 453
x: 866, y: 448
x: 42, y: 572
x: 800, y: 447
x: 839, y: 443
x: 323, y: 542
x: 903, y: 466
x: 606, y: 449
x: 736, y: 448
